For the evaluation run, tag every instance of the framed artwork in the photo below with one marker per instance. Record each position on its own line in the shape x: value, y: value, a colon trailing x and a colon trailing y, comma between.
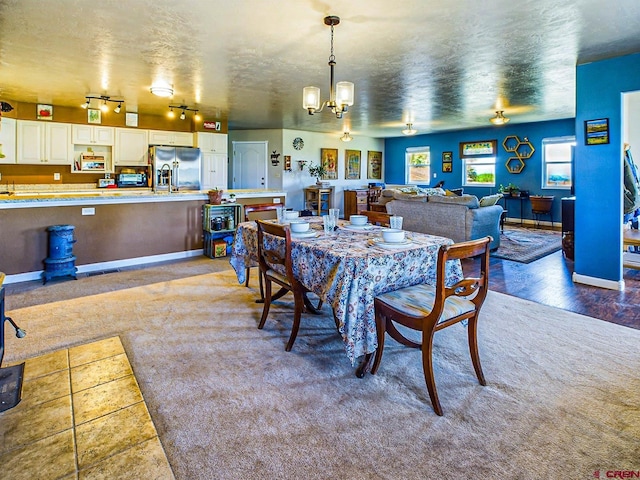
x: 478, y: 148
x: 596, y: 132
x: 44, y: 112
x: 329, y: 160
x: 447, y: 162
x: 94, y: 115
x: 352, y: 164
x: 131, y: 119
x: 374, y: 165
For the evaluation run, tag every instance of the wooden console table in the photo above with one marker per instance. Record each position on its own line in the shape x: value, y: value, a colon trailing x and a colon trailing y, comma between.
x: 318, y: 199
x: 631, y: 238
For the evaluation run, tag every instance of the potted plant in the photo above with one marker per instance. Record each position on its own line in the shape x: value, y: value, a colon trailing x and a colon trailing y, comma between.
x: 510, y: 189
x: 215, y: 196
x: 317, y: 171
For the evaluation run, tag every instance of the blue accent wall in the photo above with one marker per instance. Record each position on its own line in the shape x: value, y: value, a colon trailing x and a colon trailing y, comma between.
x: 599, y: 168
x: 529, y: 179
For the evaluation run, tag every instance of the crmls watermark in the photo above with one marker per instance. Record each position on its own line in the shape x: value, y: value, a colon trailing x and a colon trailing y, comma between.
x: 618, y: 474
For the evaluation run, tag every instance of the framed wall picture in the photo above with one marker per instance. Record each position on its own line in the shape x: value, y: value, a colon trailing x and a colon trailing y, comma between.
x: 44, y: 112
x: 352, y: 164
x: 94, y: 115
x: 329, y: 160
x: 131, y: 119
x: 374, y: 165
x: 447, y: 162
x: 596, y: 132
x: 478, y: 148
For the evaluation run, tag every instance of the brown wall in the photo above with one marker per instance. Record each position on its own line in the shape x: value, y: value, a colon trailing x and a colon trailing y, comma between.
x: 115, y: 232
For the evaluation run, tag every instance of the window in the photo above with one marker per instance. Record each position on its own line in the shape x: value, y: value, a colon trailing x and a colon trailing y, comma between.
x: 557, y: 158
x: 418, y: 165
x: 479, y: 171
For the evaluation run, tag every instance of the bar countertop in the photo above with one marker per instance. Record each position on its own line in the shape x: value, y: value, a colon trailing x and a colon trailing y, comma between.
x: 55, y: 198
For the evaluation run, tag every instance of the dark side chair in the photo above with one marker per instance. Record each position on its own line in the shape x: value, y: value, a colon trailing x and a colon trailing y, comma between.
x: 257, y: 208
x: 276, y: 268
x: 429, y: 308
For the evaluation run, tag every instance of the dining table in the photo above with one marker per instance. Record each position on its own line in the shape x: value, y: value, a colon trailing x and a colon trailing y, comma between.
x: 347, y: 268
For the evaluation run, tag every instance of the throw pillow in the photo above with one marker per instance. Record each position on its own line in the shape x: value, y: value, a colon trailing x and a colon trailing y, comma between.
x: 432, y: 191
x: 454, y: 192
x: 489, y: 200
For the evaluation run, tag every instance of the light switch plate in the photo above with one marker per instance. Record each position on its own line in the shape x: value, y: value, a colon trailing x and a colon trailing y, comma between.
x: 88, y: 211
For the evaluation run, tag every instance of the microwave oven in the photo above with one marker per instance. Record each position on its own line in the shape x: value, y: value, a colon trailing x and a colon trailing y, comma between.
x: 132, y: 180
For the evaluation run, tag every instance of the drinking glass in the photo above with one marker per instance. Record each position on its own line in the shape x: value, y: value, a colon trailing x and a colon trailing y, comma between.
x: 395, y: 221
x: 280, y: 213
x: 329, y: 223
x: 335, y: 213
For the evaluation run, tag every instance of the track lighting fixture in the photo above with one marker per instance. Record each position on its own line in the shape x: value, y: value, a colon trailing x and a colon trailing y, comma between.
x: 183, y: 114
x: 104, y: 107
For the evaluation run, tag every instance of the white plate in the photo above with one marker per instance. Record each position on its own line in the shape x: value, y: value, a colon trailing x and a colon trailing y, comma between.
x: 309, y: 234
x: 360, y: 228
x: 379, y: 242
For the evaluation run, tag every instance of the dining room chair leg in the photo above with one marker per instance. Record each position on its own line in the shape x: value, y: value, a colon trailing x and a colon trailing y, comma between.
x: 427, y: 365
x: 298, y: 308
x: 380, y: 332
x: 247, y: 274
x: 267, y: 305
x: 473, y: 348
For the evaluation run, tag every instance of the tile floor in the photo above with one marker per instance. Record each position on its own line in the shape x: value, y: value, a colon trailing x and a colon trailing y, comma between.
x: 82, y: 416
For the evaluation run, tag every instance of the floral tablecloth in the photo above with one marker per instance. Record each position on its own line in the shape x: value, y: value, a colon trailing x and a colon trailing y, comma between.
x: 347, y: 269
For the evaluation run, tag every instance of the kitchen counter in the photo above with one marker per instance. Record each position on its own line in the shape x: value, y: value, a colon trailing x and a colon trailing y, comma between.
x: 113, y: 227
x: 29, y: 199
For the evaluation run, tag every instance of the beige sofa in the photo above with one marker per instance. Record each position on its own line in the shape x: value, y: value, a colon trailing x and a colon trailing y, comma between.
x: 457, y: 217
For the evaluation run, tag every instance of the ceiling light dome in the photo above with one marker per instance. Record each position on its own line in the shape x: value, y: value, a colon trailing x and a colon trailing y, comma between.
x: 162, y: 91
x: 499, y: 119
x: 409, y: 130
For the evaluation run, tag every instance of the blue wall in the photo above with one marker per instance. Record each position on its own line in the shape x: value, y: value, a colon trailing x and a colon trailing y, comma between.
x: 529, y: 179
x: 598, y: 234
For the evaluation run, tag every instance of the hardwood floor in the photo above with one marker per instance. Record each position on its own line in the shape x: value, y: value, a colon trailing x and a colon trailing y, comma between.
x: 548, y: 281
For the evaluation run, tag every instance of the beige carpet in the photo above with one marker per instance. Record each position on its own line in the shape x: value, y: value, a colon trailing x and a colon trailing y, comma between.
x: 562, y: 401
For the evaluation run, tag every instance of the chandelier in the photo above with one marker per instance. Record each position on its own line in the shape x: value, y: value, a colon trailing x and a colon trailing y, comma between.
x: 340, y: 97
x: 409, y: 130
x: 499, y: 119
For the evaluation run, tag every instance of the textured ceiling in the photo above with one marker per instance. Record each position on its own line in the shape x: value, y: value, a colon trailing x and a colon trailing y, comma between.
x: 440, y: 64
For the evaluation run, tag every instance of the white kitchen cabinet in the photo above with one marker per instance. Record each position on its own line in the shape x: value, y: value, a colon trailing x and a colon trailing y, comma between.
x: 7, y: 141
x: 211, y: 142
x: 214, y: 170
x: 44, y: 143
x: 92, y: 135
x: 174, y: 139
x: 131, y: 147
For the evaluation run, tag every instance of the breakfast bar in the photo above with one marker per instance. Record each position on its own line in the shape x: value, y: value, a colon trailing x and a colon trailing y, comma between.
x: 113, y: 227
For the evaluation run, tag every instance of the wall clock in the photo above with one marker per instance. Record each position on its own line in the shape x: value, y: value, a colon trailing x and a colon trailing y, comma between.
x: 298, y: 144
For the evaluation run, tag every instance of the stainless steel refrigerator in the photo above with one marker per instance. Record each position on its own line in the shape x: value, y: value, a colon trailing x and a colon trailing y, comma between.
x: 179, y: 166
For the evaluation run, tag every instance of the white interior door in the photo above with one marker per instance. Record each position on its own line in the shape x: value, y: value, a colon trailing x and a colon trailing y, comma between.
x: 249, y: 165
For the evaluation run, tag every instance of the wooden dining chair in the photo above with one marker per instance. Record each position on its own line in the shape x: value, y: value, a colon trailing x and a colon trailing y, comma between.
x: 429, y: 308
x: 272, y: 255
x: 256, y: 208
x: 377, y: 218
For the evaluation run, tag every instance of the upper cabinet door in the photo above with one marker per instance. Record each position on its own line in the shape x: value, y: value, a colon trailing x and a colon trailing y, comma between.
x: 92, y: 135
x: 132, y: 147
x: 212, y: 142
x: 44, y: 143
x: 174, y: 139
x: 8, y: 141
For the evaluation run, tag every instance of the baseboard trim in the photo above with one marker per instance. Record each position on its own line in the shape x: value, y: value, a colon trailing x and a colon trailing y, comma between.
x: 598, y: 282
x: 95, y: 267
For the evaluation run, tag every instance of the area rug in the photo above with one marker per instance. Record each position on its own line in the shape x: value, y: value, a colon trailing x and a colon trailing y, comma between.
x: 562, y: 396
x: 526, y: 245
